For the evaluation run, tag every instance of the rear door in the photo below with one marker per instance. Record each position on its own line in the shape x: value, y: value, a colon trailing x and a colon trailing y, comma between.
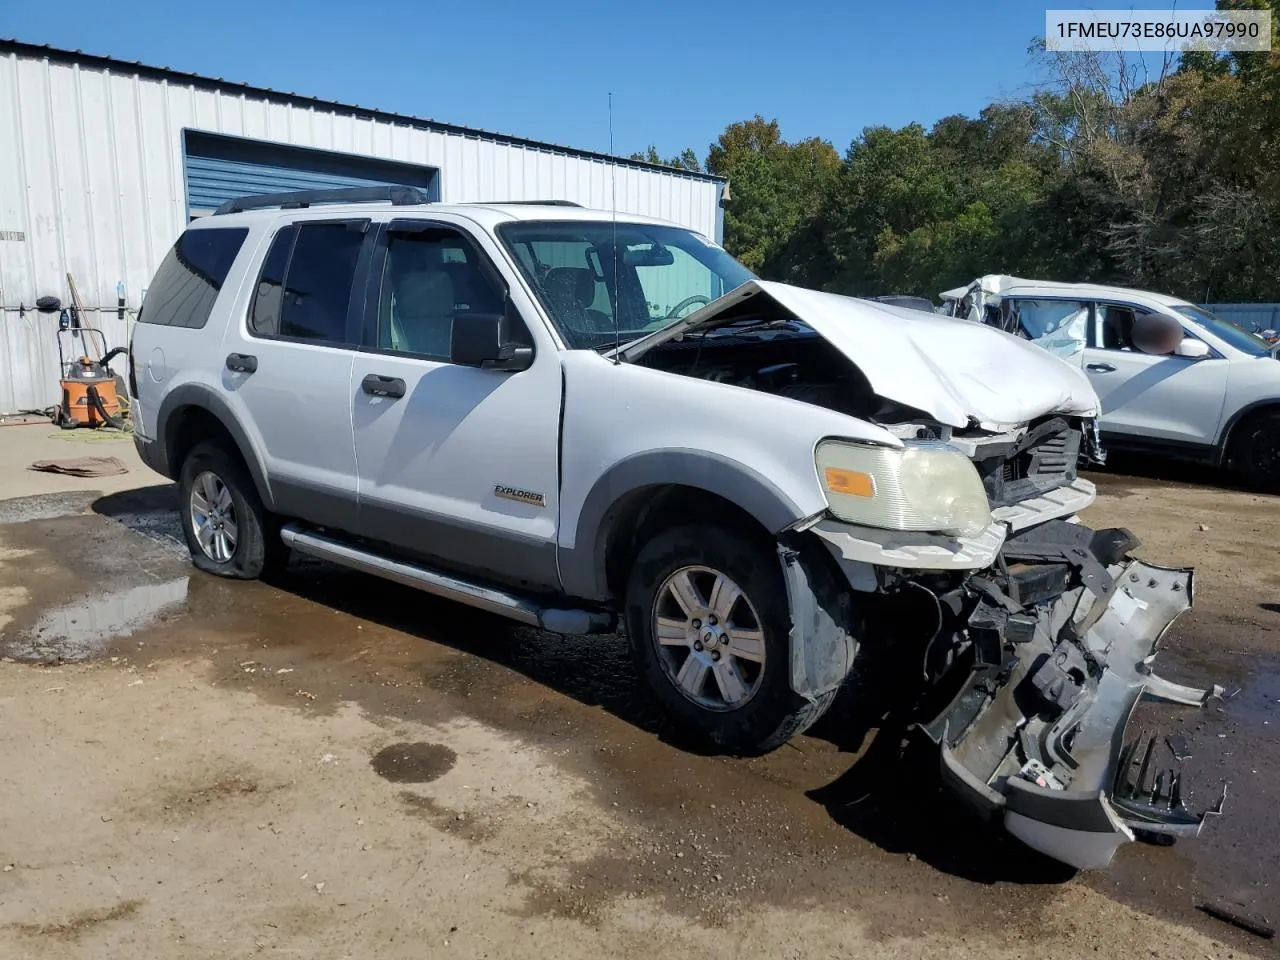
x: 287, y: 365
x: 457, y: 464
x: 1170, y: 398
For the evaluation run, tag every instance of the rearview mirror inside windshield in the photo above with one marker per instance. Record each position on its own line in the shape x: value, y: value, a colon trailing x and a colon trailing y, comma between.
x: 655, y: 255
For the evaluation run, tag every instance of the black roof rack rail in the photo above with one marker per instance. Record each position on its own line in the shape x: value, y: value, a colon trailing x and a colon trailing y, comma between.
x: 538, y: 203
x: 298, y: 199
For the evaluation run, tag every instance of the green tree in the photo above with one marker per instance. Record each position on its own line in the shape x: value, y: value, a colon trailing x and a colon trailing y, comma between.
x: 685, y: 160
x: 774, y: 187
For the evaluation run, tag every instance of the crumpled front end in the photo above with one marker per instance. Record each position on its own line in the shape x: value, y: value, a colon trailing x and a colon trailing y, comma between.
x: 1059, y: 638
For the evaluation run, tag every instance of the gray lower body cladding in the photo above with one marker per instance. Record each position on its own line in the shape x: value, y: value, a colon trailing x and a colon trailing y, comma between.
x: 1058, y: 642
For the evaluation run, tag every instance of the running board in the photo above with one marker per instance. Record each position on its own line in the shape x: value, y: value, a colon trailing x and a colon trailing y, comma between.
x: 449, y: 586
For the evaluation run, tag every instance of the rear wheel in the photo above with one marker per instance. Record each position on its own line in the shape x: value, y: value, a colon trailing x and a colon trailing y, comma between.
x: 229, y: 533
x: 708, y: 624
x: 1255, y: 451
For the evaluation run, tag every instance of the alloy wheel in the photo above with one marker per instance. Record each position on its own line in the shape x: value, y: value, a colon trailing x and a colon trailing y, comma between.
x: 709, y: 638
x: 213, y: 517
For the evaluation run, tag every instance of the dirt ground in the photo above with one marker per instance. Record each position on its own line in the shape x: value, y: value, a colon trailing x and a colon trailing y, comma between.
x: 330, y: 766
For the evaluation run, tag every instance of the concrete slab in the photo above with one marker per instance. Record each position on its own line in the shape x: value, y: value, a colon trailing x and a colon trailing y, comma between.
x: 23, y: 444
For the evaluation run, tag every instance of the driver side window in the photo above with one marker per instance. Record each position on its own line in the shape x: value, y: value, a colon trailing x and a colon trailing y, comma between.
x: 1133, y: 330
x: 431, y: 276
x: 1115, y: 326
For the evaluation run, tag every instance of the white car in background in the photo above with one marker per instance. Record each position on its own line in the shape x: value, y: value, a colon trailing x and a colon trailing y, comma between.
x: 1212, y: 396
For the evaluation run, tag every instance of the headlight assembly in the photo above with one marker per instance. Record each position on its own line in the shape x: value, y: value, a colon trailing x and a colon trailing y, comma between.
x: 924, y: 486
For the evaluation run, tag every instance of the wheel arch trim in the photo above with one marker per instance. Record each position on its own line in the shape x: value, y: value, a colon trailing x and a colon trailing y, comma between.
x: 1248, y: 410
x: 203, y: 398
x: 582, y: 567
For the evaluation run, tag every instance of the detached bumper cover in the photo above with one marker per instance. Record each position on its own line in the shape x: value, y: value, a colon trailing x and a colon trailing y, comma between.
x: 1037, y: 736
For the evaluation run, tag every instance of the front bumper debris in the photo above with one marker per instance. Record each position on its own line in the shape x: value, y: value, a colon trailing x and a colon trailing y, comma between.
x: 1063, y: 634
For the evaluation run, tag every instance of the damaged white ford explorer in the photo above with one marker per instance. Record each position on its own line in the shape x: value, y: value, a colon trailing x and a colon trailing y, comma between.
x: 583, y: 422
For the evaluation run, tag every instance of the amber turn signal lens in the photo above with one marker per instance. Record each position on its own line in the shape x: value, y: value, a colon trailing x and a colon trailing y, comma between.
x: 854, y: 483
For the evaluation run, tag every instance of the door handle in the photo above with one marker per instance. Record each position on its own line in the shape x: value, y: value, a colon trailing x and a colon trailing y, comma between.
x: 378, y: 386
x: 1100, y: 367
x: 241, y: 362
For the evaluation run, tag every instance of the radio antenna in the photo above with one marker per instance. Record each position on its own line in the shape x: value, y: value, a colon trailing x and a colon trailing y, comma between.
x: 613, y: 183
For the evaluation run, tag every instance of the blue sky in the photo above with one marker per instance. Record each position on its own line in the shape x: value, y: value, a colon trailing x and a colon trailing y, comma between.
x: 679, y: 72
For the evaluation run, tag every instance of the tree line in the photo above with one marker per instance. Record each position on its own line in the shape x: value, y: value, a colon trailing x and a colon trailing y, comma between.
x: 1164, y: 177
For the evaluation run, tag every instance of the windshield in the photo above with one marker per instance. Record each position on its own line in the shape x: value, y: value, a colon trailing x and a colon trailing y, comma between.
x: 655, y: 275
x: 1234, y: 334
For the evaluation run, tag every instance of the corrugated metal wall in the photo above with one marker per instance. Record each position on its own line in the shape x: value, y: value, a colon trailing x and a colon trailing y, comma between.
x: 92, y: 182
x: 1252, y: 316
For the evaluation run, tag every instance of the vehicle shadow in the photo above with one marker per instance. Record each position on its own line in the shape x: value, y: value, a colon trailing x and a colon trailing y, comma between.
x: 595, y: 671
x: 890, y: 795
x: 893, y: 795
x: 159, y: 500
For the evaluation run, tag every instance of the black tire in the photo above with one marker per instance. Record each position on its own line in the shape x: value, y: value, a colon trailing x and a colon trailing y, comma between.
x: 773, y: 713
x: 258, y: 548
x: 1255, y: 452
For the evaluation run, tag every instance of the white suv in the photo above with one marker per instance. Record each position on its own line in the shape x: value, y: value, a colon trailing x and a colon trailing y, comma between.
x: 584, y: 422
x: 1209, y: 392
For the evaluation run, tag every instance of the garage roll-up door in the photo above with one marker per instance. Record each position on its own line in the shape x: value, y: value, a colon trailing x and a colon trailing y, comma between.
x: 224, y: 168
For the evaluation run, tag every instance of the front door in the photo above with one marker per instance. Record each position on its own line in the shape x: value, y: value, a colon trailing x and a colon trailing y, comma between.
x: 288, y: 369
x: 1170, y: 398
x: 456, y: 464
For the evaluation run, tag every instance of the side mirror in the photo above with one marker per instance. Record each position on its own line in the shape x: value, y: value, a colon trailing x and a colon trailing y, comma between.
x: 1191, y: 349
x: 486, y: 340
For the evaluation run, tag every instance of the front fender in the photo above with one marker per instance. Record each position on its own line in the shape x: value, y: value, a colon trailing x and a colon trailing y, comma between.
x: 582, y: 567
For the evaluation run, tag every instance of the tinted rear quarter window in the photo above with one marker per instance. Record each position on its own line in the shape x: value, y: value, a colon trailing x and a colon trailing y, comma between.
x: 264, y: 318
x: 186, y: 286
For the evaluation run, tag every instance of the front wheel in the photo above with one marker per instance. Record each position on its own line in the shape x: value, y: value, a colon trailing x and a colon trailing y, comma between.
x: 1256, y: 452
x: 708, y: 624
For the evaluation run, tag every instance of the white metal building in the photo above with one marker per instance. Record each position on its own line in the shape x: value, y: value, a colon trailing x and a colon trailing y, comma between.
x: 102, y: 162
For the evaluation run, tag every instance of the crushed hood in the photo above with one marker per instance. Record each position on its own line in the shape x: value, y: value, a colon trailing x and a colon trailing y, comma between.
x: 958, y: 373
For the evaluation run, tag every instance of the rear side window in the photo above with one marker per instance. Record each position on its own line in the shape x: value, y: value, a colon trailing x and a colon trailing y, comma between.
x: 186, y: 286
x: 264, y: 318
x: 304, y: 290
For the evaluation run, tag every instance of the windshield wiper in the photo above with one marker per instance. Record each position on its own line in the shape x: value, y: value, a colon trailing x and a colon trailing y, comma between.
x: 752, y: 326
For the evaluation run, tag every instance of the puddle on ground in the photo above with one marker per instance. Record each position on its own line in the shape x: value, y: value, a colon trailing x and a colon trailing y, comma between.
x: 83, y: 629
x: 413, y: 762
